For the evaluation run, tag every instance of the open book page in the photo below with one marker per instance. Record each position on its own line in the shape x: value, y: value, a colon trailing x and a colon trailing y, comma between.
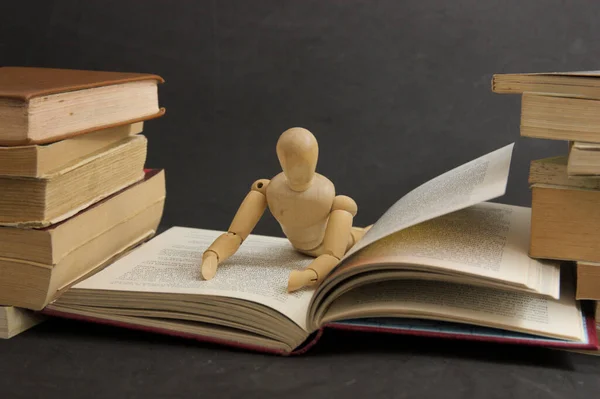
x: 486, y: 240
x: 463, y: 303
x: 480, y: 180
x: 170, y: 263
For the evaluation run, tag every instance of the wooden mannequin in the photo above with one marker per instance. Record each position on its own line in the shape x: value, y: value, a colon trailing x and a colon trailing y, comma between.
x: 315, y: 221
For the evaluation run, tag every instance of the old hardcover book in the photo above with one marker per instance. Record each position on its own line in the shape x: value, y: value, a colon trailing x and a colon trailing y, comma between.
x: 51, y: 244
x: 560, y: 118
x: 584, y: 159
x: 43, y: 160
x: 441, y: 262
x: 33, y: 273
x: 40, y: 202
x: 584, y: 84
x: 42, y: 105
x: 14, y: 321
x: 565, y: 213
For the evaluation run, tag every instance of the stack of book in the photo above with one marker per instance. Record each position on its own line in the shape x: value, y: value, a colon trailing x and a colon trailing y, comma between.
x: 74, y: 190
x: 442, y: 261
x: 566, y: 188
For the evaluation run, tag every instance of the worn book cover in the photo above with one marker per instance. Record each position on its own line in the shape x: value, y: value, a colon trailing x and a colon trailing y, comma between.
x: 44, y: 105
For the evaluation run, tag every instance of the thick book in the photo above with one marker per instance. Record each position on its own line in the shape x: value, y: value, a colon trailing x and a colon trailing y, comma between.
x: 560, y: 118
x: 36, y: 265
x: 14, y: 321
x: 584, y: 84
x: 442, y: 261
x: 43, y: 160
x: 51, y: 244
x: 42, y: 105
x: 565, y: 213
x: 39, y: 202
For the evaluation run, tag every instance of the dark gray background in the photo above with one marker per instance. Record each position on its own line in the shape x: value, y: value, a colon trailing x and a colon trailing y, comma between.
x: 397, y: 92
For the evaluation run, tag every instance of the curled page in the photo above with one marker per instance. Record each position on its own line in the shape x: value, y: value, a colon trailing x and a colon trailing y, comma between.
x: 477, y: 181
x: 487, y: 240
x: 461, y: 303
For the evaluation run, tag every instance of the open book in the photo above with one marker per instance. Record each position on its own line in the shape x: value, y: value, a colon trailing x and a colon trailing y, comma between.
x: 442, y: 261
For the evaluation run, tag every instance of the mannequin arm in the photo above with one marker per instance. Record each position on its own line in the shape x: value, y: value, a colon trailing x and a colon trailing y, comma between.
x: 335, y: 243
x: 244, y: 221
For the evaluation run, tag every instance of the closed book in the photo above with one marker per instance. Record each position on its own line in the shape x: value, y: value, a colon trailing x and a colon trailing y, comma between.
x: 14, y: 321
x: 560, y: 118
x: 32, y: 285
x: 42, y: 105
x: 39, y: 202
x: 565, y: 213
x: 43, y: 160
x: 51, y: 244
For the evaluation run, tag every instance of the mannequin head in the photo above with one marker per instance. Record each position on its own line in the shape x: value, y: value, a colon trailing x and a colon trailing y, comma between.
x: 298, y: 151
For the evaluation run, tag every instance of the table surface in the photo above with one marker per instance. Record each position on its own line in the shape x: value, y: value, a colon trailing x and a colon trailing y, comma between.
x: 65, y: 358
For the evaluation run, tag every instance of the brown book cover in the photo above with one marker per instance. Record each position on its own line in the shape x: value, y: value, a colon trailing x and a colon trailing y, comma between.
x: 24, y: 83
x: 61, y: 91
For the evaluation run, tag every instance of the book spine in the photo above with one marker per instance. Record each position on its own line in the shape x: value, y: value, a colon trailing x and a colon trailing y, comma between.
x: 310, y: 342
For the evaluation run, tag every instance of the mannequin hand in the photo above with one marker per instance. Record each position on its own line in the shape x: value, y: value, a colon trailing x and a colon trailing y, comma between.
x: 209, y: 265
x: 301, y: 278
